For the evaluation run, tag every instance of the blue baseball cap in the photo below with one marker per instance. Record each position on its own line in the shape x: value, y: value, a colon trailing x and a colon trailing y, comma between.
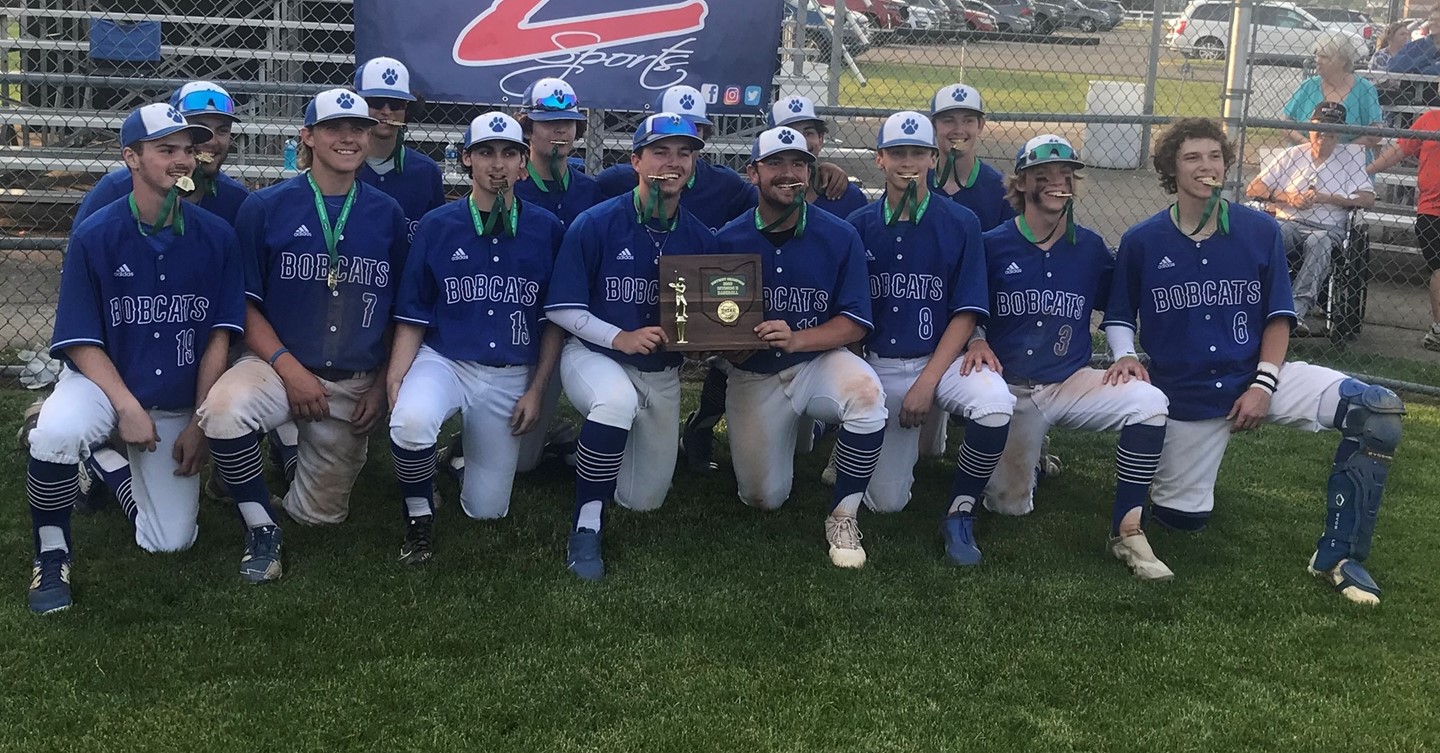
x: 337, y: 104
x: 204, y: 98
x: 685, y: 101
x: 383, y: 77
x: 956, y: 97
x: 1046, y: 148
x: 551, y: 99
x: 906, y: 128
x: 777, y: 141
x: 665, y: 125
x: 494, y: 126
x: 792, y: 110
x: 158, y: 121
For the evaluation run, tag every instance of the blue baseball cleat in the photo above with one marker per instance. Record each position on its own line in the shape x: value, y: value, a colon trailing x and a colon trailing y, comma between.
x: 261, y: 562
x: 583, y: 557
x: 958, y: 532
x: 50, y: 582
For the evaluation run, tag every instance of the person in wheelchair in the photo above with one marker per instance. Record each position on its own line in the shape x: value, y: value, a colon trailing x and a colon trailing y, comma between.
x: 1311, y: 188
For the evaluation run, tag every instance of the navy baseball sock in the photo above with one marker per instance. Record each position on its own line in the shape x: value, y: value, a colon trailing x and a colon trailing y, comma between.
x: 288, y: 454
x: 598, y: 455
x: 242, y: 470
x: 979, y: 454
x: 855, y: 459
x: 415, y: 472
x: 52, y: 488
x: 1137, y: 455
x: 113, y: 470
x: 712, y: 400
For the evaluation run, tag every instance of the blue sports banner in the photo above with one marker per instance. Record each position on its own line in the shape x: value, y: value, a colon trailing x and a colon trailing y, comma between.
x: 618, y: 54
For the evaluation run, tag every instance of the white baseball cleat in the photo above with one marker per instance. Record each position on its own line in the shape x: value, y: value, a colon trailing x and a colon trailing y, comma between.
x: 1350, y: 579
x: 1134, y: 550
x: 844, y: 536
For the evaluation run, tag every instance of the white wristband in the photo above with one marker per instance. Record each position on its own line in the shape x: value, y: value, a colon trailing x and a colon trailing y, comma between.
x: 1266, y: 367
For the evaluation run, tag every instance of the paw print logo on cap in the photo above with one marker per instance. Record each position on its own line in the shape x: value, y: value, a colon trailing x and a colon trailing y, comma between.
x: 959, y: 94
x: 345, y: 101
x: 675, y: 120
x: 497, y: 124
x: 390, y: 76
x: 786, y: 137
x: 174, y: 115
x: 687, y: 102
x: 910, y: 126
x: 796, y: 105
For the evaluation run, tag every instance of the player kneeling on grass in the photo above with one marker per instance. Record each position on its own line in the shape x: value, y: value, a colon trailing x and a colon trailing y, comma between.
x: 150, y: 292
x: 470, y: 335
x: 1046, y: 275
x: 322, y: 251
x: 1206, y: 283
x: 927, y: 288
x: 605, y: 292
x: 817, y: 301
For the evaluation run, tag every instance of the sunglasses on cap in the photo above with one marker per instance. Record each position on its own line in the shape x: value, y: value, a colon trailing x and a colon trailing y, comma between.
x: 555, y: 102
x: 1051, y: 151
x: 203, y: 101
x: 676, y: 126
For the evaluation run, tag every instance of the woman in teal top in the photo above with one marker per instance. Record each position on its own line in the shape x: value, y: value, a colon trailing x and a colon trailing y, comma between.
x: 1336, y: 81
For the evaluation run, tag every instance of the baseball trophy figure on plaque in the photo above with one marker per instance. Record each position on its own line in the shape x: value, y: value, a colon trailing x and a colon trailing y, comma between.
x: 712, y: 302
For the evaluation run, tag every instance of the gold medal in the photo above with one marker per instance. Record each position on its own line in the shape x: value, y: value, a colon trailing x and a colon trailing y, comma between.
x: 185, y: 183
x: 204, y: 158
x: 333, y: 279
x: 728, y: 312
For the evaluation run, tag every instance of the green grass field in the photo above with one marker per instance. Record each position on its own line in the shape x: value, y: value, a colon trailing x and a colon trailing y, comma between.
x: 721, y: 628
x: 895, y: 86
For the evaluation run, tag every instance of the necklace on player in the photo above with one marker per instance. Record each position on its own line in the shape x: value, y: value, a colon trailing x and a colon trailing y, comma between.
x: 948, y: 169
x: 653, y: 208
x: 797, y: 205
x: 907, y: 200
x: 491, y: 225
x: 169, y: 214
x: 1069, y: 224
x: 1214, y: 203
x: 332, y: 233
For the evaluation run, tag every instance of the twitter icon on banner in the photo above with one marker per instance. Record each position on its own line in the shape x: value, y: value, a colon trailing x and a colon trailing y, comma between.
x: 752, y: 96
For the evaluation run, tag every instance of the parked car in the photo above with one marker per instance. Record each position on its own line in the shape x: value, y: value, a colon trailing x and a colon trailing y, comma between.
x: 1115, y: 9
x: 819, y: 23
x: 1009, y: 19
x: 1283, y: 32
x: 885, y: 15
x: 926, y: 19
x: 1087, y: 19
x: 1354, y: 21
x: 1048, y: 16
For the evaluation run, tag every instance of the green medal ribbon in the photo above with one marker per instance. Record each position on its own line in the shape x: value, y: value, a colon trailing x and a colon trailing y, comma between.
x: 654, y: 208
x: 1069, y: 226
x: 558, y: 170
x: 332, y: 233
x: 798, y: 205
x: 907, y: 199
x: 203, y: 182
x: 497, y: 210
x: 397, y: 155
x: 169, y: 214
x: 1222, y: 222
x: 949, y: 169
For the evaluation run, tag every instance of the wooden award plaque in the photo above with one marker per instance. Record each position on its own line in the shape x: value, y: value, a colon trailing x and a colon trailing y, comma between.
x: 711, y: 301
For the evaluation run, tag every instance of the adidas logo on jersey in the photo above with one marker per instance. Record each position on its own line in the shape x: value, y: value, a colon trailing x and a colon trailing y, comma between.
x: 302, y: 232
x: 459, y: 255
x: 869, y: 256
x: 1013, y: 269
x: 1165, y: 263
x: 124, y: 271
x: 624, y: 255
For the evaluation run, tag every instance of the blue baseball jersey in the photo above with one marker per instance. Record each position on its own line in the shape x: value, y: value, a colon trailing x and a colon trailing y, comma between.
x: 225, y: 203
x: 583, y: 193
x: 419, y: 189
x: 921, y: 275
x: 1203, y: 305
x: 843, y: 207
x: 985, y: 197
x: 608, y: 265
x: 715, y: 196
x: 808, y: 281
x: 1040, y: 301
x: 150, y: 302
x: 287, y: 265
x: 480, y: 298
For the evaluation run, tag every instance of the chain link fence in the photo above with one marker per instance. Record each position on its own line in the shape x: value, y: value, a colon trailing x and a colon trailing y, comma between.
x: 1104, y: 75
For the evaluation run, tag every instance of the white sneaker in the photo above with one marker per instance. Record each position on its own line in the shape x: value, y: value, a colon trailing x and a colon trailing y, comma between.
x: 843, y: 533
x: 1134, y: 550
x: 1431, y: 341
x: 827, y: 476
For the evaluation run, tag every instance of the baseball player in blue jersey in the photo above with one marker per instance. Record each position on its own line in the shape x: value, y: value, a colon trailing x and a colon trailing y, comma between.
x: 551, y: 117
x: 202, y: 103
x: 322, y: 252
x: 799, y: 113
x: 405, y: 174
x: 149, y: 296
x: 1206, y: 283
x: 817, y: 301
x: 1046, y: 275
x: 927, y: 289
x: 470, y: 333
x: 605, y: 292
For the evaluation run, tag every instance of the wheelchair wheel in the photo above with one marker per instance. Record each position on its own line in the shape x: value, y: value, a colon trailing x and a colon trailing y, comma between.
x: 1349, y: 280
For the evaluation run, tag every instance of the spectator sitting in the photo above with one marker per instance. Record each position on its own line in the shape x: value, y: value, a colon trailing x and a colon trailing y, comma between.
x: 1422, y: 55
x: 1312, y: 188
x: 1392, y: 92
x: 1394, y: 37
x: 1335, y: 57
